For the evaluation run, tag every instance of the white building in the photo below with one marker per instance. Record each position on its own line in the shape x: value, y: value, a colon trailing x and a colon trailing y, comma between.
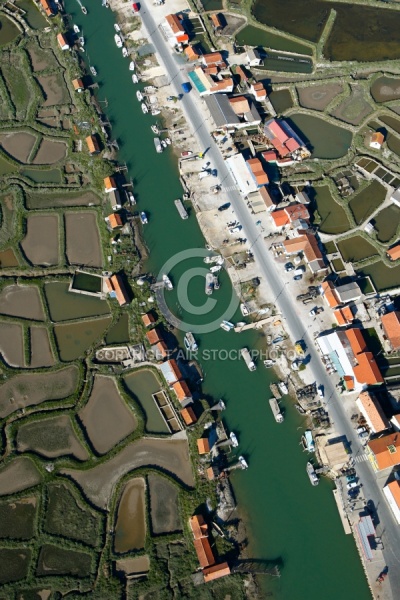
x: 392, y: 493
x: 241, y: 174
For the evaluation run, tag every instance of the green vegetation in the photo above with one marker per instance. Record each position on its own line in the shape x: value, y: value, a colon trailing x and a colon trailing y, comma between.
x: 14, y: 564
x: 17, y: 519
x: 365, y: 202
x: 331, y: 216
x: 356, y: 248
x: 54, y: 560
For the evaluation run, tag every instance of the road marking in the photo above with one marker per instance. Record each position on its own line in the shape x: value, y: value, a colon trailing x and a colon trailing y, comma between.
x: 231, y: 188
x: 361, y: 458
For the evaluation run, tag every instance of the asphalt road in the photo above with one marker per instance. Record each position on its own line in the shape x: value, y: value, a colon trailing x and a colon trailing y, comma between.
x: 387, y: 528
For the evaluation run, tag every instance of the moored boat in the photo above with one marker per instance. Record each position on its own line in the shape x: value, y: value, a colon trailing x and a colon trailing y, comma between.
x: 143, y: 218
x: 139, y: 95
x: 300, y: 409
x: 117, y: 27
x: 117, y: 40
x: 243, y: 462
x: 190, y: 342
x: 131, y: 198
x: 155, y: 111
x: 268, y: 363
x: 308, y: 441
x: 84, y: 10
x: 273, y: 402
x: 283, y: 388
x: 244, y: 309
x: 247, y: 359
x: 234, y: 439
x: 167, y: 282
x: 124, y: 52
x: 275, y: 390
x: 312, y: 474
x: 216, y: 283
x: 168, y: 141
x: 157, y: 145
x: 93, y: 71
x: 144, y: 108
x: 209, y: 284
x: 215, y: 268
x: 227, y: 325
x: 81, y: 40
x: 76, y: 28
x: 181, y: 209
x: 132, y: 66
x: 135, y: 79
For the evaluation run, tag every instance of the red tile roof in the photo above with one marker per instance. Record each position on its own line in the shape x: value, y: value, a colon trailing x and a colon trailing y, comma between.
x: 198, y: 526
x: 175, y: 24
x: 148, y: 319
x: 188, y: 415
x: 203, y: 446
x: 394, y: 487
x: 297, y: 211
x: 216, y: 571
x: 204, y: 552
x: 373, y: 410
x: 356, y: 340
x: 278, y: 131
x: 391, y: 327
x: 154, y: 336
x: 265, y: 195
x: 367, y: 370
x: 92, y: 144
x: 280, y: 217
x: 329, y: 293
x: 115, y: 284
x: 381, y: 447
x: 114, y: 221
x: 394, y: 253
x: 181, y: 390
x: 257, y: 169
x: 214, y: 58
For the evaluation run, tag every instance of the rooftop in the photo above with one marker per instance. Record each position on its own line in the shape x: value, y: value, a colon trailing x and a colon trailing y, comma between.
x: 394, y: 253
x: 204, y: 552
x: 391, y: 325
x: 203, y: 446
x: 216, y: 571
x: 198, y: 526
x: 373, y: 412
x: 386, y: 450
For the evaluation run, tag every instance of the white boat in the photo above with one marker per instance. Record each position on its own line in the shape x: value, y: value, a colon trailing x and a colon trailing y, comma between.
x: 154, y: 129
x: 163, y: 144
x: 81, y: 40
x: 227, y: 325
x: 124, y: 52
x: 76, y: 28
x: 243, y: 462
x: 105, y: 3
x: 139, y: 95
x: 247, y: 359
x: 168, y: 140
x: 308, y: 441
x: 157, y: 145
x: 132, y: 66
x: 135, y: 78
x: 268, y: 363
x: 234, y: 439
x: 283, y: 388
x: 276, y: 410
x: 181, y: 209
x: 93, y: 71
x: 312, y: 474
x: 167, y: 282
x: 131, y: 198
x: 118, y: 40
x: 216, y: 283
x: 215, y: 268
x: 240, y: 324
x: 213, y: 259
x: 244, y: 309
x: 145, y: 108
x: 190, y: 342
x: 156, y: 111
x: 117, y: 27
x: 209, y: 284
x: 143, y: 218
x: 84, y: 10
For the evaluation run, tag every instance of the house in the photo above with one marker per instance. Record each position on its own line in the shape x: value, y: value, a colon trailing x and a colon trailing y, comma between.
x: 171, y: 371
x: 238, y: 168
x: 258, y: 90
x: 78, y: 85
x: 153, y: 336
x: 204, y: 552
x: 182, y: 392
x: 349, y: 353
x: 372, y: 412
x: 285, y: 141
x: 216, y: 22
x: 392, y: 493
x: 269, y: 156
x: 115, y: 199
x: 302, y: 197
x: 206, y: 84
x: 109, y: 185
x: 257, y: 172
x: 291, y: 214
x: 240, y: 71
x: 93, y: 144
x: 188, y: 415
x: 203, y: 446
x: 307, y: 244
x: 191, y: 53
x: 117, y: 289
x: 344, y: 315
x: 267, y: 198
x: 173, y: 29
x: 214, y: 59
x: 148, y: 319
x: 62, y: 42
x: 47, y: 7
x: 114, y: 221
x: 216, y: 571
x: 328, y: 292
x: 198, y: 526
x: 384, y: 452
x: 224, y: 115
x: 245, y: 110
x: 253, y: 57
x: 377, y: 140
x: 391, y: 327
x: 394, y: 252
x: 160, y: 350
x: 348, y: 292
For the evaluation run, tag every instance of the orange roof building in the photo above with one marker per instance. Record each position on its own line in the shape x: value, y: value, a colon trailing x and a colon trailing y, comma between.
x: 216, y: 571
x: 160, y: 350
x: 266, y: 196
x: 344, y: 315
x: 175, y: 25
x: 188, y: 415
x: 148, y: 319
x: 191, y: 53
x: 203, y: 446
x: 47, y: 8
x: 171, y: 371
x: 214, y: 59
x: 242, y: 74
x: 329, y: 294
x: 204, y: 552
x: 182, y: 392
x: 307, y: 244
x: 257, y: 171
x: 377, y: 140
x: 109, y: 184
x: 114, y: 221
x: 78, y: 85
x: 279, y: 218
x: 216, y: 21
x: 356, y: 340
x: 258, y: 90
x: 92, y: 144
x: 391, y: 327
x: 367, y: 370
x: 372, y: 412
x: 117, y: 289
x: 392, y: 493
x: 154, y: 336
x: 394, y: 253
x: 384, y: 452
x: 62, y: 42
x: 198, y: 526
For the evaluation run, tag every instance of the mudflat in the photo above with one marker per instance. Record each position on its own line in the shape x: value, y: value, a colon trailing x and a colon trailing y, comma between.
x: 83, y: 239
x: 41, y: 352
x: 22, y: 301
x: 19, y: 474
x: 12, y: 344
x: 41, y: 245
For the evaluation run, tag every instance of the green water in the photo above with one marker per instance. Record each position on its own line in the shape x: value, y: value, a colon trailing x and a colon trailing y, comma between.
x: 142, y: 385
x: 119, y: 333
x: 8, y: 30
x: 254, y: 36
x: 41, y: 176
x: 281, y: 100
x: 325, y: 140
x: 33, y: 16
x: 287, y: 517
x: 65, y: 305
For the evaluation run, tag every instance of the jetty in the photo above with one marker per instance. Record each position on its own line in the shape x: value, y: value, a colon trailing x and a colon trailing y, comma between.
x: 255, y: 325
x: 181, y: 209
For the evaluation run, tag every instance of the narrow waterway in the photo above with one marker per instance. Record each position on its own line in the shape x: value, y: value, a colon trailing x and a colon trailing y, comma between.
x: 287, y: 518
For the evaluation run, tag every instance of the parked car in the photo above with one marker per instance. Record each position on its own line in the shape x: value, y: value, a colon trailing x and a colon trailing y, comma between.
x: 320, y: 391
x: 224, y: 206
x: 297, y: 277
x: 289, y: 267
x: 315, y: 311
x: 351, y: 478
x: 352, y: 485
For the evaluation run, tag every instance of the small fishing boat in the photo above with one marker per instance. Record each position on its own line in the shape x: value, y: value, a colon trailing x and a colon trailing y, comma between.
x: 227, y: 325
x: 156, y: 111
x: 105, y: 3
x: 209, y: 284
x: 145, y: 108
x: 268, y: 363
x: 131, y: 198
x: 168, y: 141
x: 124, y: 52
x: 139, y: 95
x: 135, y: 78
x: 154, y: 129
x: 163, y: 144
x: 143, y: 218
x: 84, y: 10
x: 247, y: 359
x: 273, y: 402
x: 117, y: 27
x: 93, y: 71
x: 157, y: 145
x: 300, y: 409
x: 190, y: 342
x: 167, y: 282
x: 132, y: 66
x: 215, y: 268
x: 213, y: 259
x: 244, y: 309
x: 216, y: 283
x: 76, y: 28
x: 312, y: 474
x: 234, y: 439
x: 283, y: 388
x: 118, y: 40
x: 81, y: 40
x: 243, y: 462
